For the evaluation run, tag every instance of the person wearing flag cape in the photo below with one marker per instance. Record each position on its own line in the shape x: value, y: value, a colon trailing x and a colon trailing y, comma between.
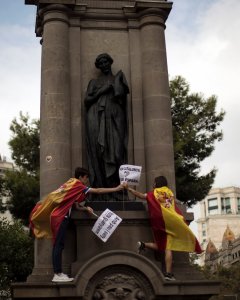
x: 170, y: 230
x: 50, y: 216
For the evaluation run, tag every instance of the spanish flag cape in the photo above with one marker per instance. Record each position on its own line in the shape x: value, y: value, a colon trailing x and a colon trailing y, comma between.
x: 169, y: 227
x: 48, y: 214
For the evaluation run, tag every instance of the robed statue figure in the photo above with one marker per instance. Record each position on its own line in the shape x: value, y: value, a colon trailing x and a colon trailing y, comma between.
x: 106, y: 124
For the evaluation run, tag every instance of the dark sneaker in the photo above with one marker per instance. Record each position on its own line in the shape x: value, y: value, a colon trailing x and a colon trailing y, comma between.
x: 140, y: 247
x: 169, y: 277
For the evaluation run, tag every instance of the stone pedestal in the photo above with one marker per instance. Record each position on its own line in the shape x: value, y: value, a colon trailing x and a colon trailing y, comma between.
x: 114, y: 270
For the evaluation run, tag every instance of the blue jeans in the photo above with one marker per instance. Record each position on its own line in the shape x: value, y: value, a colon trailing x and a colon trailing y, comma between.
x: 59, y: 246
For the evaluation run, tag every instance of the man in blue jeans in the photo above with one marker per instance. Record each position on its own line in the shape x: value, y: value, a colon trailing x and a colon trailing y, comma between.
x: 58, y: 247
x: 50, y: 217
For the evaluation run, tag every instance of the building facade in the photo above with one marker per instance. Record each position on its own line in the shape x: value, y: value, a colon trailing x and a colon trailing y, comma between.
x: 219, y: 215
x: 227, y: 255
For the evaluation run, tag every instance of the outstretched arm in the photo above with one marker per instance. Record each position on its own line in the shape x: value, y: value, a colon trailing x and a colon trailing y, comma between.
x: 137, y: 194
x: 106, y: 190
x: 134, y: 192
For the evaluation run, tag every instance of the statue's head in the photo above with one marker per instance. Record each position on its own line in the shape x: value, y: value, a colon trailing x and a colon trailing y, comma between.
x: 104, y: 62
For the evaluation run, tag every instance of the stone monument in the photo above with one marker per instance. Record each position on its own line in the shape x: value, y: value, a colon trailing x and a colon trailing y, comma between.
x: 73, y: 33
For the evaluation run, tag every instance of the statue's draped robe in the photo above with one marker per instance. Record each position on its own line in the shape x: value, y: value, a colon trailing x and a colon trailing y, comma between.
x: 106, y: 129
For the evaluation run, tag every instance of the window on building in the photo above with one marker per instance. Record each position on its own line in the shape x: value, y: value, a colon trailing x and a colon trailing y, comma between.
x: 226, y: 205
x: 212, y: 206
x: 203, y: 226
x: 238, y: 205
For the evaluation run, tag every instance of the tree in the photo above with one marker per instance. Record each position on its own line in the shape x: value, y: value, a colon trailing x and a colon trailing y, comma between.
x: 21, y: 185
x: 195, y: 130
x: 2, y: 206
x: 23, y: 189
x: 16, y: 255
x: 229, y: 278
x: 25, y: 143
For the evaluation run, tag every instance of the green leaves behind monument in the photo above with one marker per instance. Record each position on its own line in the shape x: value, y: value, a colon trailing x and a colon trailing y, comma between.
x: 195, y: 131
x: 20, y: 187
x: 16, y: 255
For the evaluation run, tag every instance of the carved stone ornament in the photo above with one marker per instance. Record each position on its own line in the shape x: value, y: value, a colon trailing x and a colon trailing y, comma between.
x: 124, y: 284
x: 48, y: 158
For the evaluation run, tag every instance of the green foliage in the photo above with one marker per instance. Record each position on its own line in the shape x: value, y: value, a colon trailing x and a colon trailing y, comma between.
x: 195, y: 130
x: 23, y: 193
x: 2, y: 193
x: 21, y: 185
x: 229, y: 278
x: 25, y: 143
x: 193, y: 257
x: 16, y: 254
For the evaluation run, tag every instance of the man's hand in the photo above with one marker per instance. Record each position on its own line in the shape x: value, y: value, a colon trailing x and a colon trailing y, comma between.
x: 120, y: 187
x: 124, y: 184
x: 89, y: 210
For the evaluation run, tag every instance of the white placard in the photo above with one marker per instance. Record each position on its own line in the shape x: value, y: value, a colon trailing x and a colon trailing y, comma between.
x: 130, y: 174
x: 106, y: 224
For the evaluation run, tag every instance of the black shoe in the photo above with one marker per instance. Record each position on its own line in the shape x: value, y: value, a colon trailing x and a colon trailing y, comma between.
x: 140, y: 247
x: 169, y: 277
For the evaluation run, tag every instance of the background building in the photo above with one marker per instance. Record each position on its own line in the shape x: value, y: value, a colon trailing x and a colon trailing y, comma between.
x: 227, y: 255
x: 219, y: 223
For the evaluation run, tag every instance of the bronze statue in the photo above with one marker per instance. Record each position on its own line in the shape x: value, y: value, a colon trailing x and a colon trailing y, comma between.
x: 106, y: 124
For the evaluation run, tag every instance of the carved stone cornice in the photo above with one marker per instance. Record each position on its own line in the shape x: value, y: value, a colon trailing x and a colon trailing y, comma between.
x: 41, y: 20
x: 100, y: 10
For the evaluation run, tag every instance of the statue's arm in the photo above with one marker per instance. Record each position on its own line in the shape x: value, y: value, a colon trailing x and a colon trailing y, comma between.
x: 93, y: 92
x: 121, y: 88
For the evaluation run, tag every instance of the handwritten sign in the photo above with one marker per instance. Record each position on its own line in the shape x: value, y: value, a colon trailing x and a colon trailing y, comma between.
x: 106, y: 224
x: 130, y: 174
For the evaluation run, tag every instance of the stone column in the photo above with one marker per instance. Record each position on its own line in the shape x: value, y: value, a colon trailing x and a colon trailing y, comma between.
x: 77, y: 106
x: 158, y: 139
x: 136, y: 95
x: 55, y: 137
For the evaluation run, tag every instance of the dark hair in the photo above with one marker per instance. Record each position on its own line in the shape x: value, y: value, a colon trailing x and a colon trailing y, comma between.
x: 100, y: 56
x: 81, y: 172
x: 160, y: 181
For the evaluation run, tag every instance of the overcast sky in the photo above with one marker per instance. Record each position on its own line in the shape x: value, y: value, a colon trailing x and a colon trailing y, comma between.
x: 203, y: 46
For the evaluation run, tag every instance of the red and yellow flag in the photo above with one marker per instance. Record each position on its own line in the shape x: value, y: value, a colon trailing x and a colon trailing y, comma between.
x: 48, y: 214
x: 169, y: 227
